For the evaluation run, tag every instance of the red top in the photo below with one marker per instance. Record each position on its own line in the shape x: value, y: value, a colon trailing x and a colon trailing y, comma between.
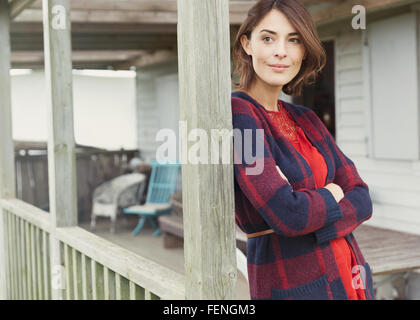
x: 344, y: 255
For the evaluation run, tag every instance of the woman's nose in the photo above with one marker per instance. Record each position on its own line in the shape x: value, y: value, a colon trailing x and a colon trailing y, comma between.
x: 281, y: 50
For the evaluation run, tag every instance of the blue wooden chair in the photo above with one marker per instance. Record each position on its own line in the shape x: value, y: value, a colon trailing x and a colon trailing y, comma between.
x: 162, y: 184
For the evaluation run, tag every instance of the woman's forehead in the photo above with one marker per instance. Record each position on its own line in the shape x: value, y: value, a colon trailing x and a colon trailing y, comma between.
x: 276, y: 22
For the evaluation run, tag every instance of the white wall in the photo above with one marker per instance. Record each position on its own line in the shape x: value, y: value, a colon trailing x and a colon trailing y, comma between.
x: 104, y: 109
x: 394, y: 184
x: 157, y: 105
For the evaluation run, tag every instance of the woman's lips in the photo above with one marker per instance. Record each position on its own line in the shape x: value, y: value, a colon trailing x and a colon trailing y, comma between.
x: 278, y: 67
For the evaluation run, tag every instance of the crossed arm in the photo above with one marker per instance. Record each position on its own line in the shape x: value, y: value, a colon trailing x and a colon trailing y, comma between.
x: 330, y: 212
x: 356, y: 204
x: 287, y: 212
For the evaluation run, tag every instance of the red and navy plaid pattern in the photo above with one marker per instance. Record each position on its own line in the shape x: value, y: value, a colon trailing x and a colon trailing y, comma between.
x: 297, y: 261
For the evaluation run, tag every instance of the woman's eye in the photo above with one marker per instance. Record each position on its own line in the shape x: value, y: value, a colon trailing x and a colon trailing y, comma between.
x: 297, y: 40
x: 266, y: 38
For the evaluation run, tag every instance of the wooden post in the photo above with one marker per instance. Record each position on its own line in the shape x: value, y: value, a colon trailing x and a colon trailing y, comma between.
x: 61, y: 145
x: 7, y: 161
x: 208, y: 197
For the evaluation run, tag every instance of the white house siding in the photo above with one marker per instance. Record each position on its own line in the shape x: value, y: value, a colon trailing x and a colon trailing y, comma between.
x: 394, y: 184
x: 157, y: 105
x: 104, y: 108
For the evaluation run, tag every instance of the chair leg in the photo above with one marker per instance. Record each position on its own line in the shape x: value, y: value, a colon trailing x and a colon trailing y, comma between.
x: 93, y: 223
x: 113, y: 222
x: 140, y: 225
x: 155, y: 226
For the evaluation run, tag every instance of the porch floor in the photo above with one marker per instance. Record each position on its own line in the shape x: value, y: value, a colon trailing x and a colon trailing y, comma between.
x: 148, y: 246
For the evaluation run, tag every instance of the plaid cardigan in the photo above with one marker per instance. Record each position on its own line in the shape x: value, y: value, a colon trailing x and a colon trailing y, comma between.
x: 297, y: 261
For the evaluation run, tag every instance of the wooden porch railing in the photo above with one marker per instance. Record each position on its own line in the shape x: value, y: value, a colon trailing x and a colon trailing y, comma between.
x: 94, y: 269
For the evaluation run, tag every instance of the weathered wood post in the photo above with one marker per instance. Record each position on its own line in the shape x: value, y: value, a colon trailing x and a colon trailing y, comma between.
x: 7, y: 161
x: 208, y: 197
x: 61, y: 145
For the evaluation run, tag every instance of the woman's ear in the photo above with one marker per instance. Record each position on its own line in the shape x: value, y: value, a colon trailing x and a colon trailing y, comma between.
x: 245, y: 44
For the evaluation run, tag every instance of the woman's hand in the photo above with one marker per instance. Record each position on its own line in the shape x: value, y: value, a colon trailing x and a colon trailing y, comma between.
x: 336, y: 191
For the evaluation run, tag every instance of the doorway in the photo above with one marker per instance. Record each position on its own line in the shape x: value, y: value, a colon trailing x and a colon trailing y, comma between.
x: 320, y: 96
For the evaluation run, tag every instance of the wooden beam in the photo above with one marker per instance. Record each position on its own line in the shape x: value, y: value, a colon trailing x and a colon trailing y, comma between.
x: 343, y: 10
x: 7, y: 162
x: 143, y: 60
x: 17, y: 6
x: 80, y: 56
x: 100, y: 28
x: 61, y: 145
x: 109, y: 16
x: 207, y: 189
x: 147, y: 11
x: 98, y: 16
x: 146, y: 5
x: 118, y: 5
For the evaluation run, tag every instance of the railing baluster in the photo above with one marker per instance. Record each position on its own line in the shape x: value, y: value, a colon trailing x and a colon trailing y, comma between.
x: 94, y: 280
x: 132, y: 290
x: 18, y: 256
x: 9, y: 258
x: 106, y: 283
x: 111, y: 277
x: 117, y: 286
x: 75, y: 274
x: 23, y: 259
x: 124, y: 288
x: 147, y: 295
x: 6, y: 256
x: 33, y: 262
x: 88, y: 278
x: 28, y: 260
x: 14, y: 258
x: 78, y: 267
x: 68, y: 265
x: 45, y: 263
x: 84, y: 278
x: 12, y: 253
x: 98, y: 290
x: 140, y: 293
x: 40, y: 267
x: 49, y: 278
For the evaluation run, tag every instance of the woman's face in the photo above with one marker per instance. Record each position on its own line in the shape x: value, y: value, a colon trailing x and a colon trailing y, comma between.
x: 275, y: 42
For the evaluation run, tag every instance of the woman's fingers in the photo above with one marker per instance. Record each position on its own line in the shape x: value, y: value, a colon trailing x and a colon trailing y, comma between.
x: 281, y: 173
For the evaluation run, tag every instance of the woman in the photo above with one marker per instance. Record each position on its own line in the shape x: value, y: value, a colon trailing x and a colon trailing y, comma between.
x: 300, y: 210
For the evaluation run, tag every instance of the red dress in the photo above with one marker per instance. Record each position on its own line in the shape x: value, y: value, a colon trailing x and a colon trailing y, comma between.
x: 343, y: 253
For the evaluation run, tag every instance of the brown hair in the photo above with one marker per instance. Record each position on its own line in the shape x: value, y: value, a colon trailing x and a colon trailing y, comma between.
x: 301, y: 20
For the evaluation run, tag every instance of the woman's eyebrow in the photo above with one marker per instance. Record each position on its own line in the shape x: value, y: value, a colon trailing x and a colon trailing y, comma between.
x: 272, y: 32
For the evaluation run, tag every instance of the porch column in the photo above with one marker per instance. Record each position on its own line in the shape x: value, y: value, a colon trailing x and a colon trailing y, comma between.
x: 208, y: 197
x: 7, y: 160
x: 61, y: 145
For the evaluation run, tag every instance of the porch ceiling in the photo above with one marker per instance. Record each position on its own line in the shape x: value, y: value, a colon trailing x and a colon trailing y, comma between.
x: 120, y: 34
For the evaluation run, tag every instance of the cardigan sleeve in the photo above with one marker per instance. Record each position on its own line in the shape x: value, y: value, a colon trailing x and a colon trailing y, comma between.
x: 287, y: 212
x: 356, y: 205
